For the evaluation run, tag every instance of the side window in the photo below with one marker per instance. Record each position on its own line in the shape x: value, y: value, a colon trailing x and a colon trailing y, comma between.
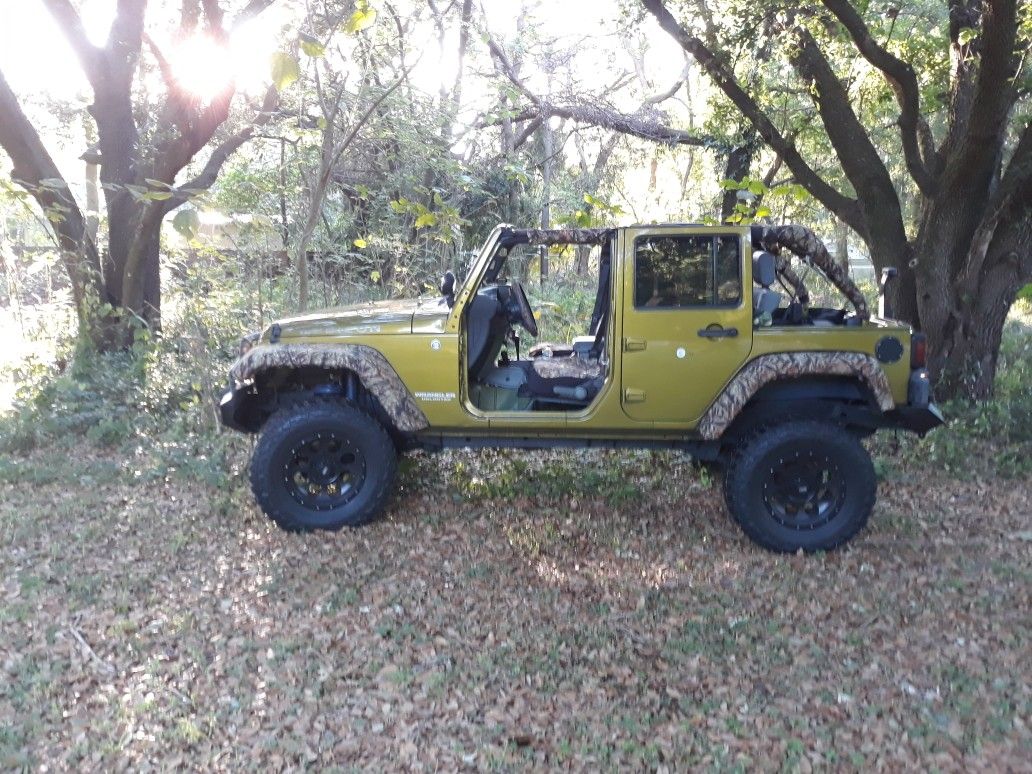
x: 686, y: 271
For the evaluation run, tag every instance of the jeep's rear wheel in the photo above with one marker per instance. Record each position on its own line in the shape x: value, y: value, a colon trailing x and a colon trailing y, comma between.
x: 322, y: 465
x: 801, y: 485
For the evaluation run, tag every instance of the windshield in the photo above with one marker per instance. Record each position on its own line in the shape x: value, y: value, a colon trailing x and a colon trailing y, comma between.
x: 513, y: 264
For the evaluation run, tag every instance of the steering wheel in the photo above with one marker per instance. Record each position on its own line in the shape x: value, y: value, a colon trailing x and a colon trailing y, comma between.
x: 518, y: 309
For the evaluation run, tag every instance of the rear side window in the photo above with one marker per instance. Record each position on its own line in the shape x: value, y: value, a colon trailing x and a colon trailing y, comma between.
x: 687, y: 271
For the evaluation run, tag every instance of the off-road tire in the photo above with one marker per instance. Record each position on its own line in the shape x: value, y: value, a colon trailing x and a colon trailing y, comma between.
x: 819, y: 464
x: 276, y: 454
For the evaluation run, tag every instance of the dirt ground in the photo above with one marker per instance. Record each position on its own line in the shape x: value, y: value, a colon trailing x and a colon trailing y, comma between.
x: 585, y: 611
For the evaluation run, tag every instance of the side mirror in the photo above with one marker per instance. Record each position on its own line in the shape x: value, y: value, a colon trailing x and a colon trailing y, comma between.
x: 888, y: 274
x: 448, y: 288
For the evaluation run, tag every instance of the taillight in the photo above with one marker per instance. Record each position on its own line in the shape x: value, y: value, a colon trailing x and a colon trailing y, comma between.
x: 918, y: 350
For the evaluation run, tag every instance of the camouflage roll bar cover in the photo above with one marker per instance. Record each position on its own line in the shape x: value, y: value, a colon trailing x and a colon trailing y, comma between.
x: 372, y: 369
x: 789, y: 365
x: 558, y: 236
x: 784, y: 268
x: 811, y: 249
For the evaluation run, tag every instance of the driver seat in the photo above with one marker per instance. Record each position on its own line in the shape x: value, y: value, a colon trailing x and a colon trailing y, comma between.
x: 573, y: 374
x: 569, y: 380
x: 573, y: 378
x: 583, y: 345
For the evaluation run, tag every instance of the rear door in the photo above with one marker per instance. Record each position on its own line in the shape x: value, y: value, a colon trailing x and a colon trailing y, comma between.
x: 687, y: 319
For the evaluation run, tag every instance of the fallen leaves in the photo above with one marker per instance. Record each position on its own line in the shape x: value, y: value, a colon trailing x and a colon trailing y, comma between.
x: 483, y: 629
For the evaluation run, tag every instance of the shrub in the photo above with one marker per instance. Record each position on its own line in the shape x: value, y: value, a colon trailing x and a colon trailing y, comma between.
x: 993, y: 437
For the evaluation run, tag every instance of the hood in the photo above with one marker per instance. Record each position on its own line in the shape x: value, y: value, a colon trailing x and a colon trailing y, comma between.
x: 370, y: 318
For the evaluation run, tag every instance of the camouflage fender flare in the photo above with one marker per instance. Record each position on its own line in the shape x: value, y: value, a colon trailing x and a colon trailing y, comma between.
x: 789, y: 365
x: 371, y: 367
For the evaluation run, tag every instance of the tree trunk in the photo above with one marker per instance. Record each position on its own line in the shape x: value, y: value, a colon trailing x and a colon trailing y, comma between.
x: 965, y: 322
x: 739, y: 162
x: 546, y: 191
x: 92, y: 200
x: 842, y: 244
x: 964, y: 358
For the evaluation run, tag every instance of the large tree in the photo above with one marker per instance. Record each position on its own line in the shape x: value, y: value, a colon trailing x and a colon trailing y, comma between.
x: 965, y: 249
x: 143, y: 146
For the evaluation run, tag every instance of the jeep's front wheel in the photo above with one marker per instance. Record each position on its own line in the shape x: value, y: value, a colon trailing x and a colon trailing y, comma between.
x: 801, y: 485
x: 322, y: 465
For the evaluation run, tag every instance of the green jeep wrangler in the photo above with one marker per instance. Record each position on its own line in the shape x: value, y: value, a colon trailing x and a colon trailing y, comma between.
x: 702, y: 339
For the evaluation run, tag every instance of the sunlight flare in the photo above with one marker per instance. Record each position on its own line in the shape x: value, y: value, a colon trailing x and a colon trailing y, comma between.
x: 202, y: 66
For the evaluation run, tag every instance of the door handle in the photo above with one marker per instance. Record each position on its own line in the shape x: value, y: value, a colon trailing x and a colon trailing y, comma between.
x: 718, y: 333
x: 634, y: 345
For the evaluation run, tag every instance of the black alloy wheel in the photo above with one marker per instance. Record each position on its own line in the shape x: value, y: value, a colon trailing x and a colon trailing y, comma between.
x: 323, y: 464
x: 804, y: 490
x: 803, y: 484
x: 324, y: 472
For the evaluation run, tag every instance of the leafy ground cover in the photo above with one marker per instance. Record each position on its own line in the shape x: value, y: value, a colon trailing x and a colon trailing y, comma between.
x: 587, y: 610
x: 512, y: 610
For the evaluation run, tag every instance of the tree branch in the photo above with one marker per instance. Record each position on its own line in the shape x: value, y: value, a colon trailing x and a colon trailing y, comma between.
x: 349, y: 138
x: 189, y: 14
x: 879, y: 201
x: 125, y: 39
x: 844, y: 207
x: 903, y: 80
x: 1010, y: 201
x: 528, y: 130
x: 68, y: 19
x: 35, y: 170
x: 666, y: 94
x: 249, y: 11
x: 214, y: 15
x: 220, y: 154
x: 595, y: 114
x: 994, y: 91
x: 963, y: 14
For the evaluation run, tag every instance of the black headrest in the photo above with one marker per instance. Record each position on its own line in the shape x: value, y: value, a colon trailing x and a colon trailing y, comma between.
x: 764, y: 268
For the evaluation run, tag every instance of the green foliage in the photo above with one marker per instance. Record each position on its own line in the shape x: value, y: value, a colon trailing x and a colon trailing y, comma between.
x: 285, y: 70
x: 442, y: 219
x: 991, y: 438
x: 154, y: 403
x: 596, y: 213
x: 363, y: 18
x: 757, y: 200
x: 564, y: 309
x: 187, y: 221
x: 312, y: 46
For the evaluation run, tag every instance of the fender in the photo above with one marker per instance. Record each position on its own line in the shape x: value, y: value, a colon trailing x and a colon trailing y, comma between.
x: 789, y: 365
x: 371, y: 367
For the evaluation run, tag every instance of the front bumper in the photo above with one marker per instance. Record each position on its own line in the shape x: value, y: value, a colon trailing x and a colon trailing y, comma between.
x: 238, y: 410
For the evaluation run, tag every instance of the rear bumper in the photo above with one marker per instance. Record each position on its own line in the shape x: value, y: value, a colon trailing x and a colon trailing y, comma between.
x: 918, y: 419
x: 919, y: 415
